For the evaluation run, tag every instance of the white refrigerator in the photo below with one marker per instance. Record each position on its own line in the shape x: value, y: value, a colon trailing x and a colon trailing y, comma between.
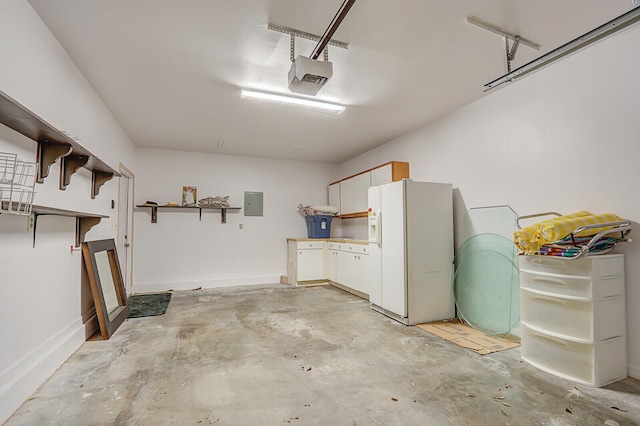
x: 411, y: 251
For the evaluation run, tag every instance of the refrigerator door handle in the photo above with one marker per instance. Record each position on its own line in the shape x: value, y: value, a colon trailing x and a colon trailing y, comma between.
x: 379, y: 228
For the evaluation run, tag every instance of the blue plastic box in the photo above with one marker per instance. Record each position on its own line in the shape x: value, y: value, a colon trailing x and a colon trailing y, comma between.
x: 319, y: 226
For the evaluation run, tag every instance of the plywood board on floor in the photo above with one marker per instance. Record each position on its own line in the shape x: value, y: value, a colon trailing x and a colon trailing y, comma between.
x: 461, y: 334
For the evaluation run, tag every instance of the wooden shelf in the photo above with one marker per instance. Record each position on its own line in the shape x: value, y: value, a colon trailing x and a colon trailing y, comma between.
x: 54, y: 145
x: 154, y: 210
x: 84, y: 221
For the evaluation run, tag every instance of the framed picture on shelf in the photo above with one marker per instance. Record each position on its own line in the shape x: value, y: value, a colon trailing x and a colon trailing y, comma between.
x: 189, y: 196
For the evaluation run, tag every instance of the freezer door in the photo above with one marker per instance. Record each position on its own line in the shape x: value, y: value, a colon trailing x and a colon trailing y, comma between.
x: 394, y: 292
x: 375, y: 250
x: 373, y: 204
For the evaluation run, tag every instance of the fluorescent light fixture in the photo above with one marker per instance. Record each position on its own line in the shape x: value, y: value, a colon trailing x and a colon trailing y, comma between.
x: 295, y: 101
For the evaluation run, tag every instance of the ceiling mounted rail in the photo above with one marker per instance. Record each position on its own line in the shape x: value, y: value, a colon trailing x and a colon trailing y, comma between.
x: 331, y: 29
x: 611, y: 27
x: 509, y: 52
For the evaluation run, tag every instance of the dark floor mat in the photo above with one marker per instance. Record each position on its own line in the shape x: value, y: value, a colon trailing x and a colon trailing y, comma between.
x: 148, y: 305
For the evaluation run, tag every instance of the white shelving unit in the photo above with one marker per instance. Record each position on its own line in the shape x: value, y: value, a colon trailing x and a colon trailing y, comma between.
x: 573, y: 320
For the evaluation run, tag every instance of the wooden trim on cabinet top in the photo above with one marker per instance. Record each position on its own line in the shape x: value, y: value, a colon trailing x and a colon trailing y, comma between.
x: 399, y: 171
x: 353, y: 215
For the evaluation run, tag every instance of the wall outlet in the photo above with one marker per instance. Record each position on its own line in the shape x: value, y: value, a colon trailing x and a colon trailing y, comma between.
x: 240, y: 226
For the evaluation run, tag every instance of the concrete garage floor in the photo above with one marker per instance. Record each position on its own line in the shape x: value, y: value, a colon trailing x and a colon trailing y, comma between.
x: 272, y: 355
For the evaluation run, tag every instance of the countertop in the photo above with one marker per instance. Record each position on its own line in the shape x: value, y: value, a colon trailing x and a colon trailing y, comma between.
x: 331, y: 240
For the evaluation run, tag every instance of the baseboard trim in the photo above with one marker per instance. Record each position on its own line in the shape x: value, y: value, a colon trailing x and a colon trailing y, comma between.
x: 634, y: 371
x: 358, y: 293
x: 24, y: 376
x: 213, y: 281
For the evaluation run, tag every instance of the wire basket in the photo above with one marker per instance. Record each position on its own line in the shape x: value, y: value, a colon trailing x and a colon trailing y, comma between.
x: 17, y: 181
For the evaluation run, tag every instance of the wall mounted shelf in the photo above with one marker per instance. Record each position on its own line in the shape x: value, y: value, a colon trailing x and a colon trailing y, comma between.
x: 54, y: 145
x: 84, y: 221
x: 154, y: 210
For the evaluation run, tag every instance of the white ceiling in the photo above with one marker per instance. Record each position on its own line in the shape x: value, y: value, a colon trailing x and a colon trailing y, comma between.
x: 171, y: 71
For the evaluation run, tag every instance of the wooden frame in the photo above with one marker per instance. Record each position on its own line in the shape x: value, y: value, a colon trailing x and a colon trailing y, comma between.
x: 105, y: 277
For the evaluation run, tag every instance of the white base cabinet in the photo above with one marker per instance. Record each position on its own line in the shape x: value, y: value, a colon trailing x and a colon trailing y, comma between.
x: 352, y: 267
x: 573, y: 320
x: 332, y: 263
x: 344, y: 264
x: 306, y: 263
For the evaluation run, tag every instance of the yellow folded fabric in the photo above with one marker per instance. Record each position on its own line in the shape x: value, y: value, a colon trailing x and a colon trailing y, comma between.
x: 531, y: 238
x: 527, y: 239
x: 557, y: 230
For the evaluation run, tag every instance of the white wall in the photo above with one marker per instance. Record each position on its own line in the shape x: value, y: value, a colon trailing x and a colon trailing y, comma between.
x: 563, y: 139
x: 43, y: 293
x: 182, y: 252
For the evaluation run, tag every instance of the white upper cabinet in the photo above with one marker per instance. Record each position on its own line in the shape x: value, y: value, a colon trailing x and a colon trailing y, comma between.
x: 334, y: 195
x: 350, y: 194
x: 361, y: 185
x: 347, y: 202
x: 382, y: 175
x: 353, y: 193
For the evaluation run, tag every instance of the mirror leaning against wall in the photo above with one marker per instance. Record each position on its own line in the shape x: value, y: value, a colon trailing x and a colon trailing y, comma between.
x: 107, y: 287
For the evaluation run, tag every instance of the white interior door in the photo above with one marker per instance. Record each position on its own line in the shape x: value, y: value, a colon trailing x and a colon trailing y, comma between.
x: 125, y: 226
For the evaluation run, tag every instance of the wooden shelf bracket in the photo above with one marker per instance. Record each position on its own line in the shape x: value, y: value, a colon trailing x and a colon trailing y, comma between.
x: 98, y: 179
x: 47, y: 154
x: 83, y: 225
x: 68, y: 166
